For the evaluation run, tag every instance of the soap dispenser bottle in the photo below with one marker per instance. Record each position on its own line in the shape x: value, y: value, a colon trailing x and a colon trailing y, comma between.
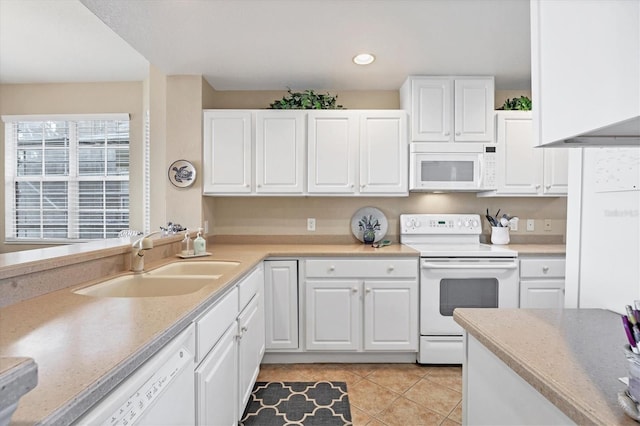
x: 186, y: 245
x: 199, y: 244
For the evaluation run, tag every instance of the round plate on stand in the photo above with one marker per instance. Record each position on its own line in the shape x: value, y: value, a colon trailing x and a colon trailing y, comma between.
x: 369, y: 215
x: 182, y: 173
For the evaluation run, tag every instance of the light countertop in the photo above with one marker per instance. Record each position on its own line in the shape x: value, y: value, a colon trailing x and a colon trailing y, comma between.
x: 573, y: 357
x: 538, y: 249
x: 84, y: 346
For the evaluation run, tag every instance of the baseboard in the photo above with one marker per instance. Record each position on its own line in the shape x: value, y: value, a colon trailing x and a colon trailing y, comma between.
x: 338, y: 357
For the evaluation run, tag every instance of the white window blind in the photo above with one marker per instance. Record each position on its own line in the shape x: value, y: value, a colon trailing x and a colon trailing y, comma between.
x: 66, y: 177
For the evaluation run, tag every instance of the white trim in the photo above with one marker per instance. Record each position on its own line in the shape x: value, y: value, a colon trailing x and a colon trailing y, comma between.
x: 66, y: 117
x: 574, y: 229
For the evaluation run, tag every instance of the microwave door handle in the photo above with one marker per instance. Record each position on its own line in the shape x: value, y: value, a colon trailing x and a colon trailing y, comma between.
x: 458, y: 266
x: 481, y: 172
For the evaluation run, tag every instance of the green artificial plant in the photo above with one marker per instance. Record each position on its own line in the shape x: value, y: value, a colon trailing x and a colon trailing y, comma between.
x: 306, y: 100
x: 522, y: 103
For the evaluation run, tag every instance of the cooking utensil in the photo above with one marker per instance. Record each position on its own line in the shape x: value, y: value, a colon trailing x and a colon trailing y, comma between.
x: 504, y: 221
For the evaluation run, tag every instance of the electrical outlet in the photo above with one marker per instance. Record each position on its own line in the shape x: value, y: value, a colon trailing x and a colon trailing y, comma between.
x: 311, y: 224
x: 206, y: 226
x: 547, y: 225
x: 513, y: 224
x: 531, y: 225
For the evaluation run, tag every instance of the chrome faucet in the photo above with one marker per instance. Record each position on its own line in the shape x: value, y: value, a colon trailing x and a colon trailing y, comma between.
x: 137, y: 251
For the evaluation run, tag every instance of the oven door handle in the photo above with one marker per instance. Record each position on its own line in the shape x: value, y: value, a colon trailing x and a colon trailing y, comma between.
x: 459, y: 266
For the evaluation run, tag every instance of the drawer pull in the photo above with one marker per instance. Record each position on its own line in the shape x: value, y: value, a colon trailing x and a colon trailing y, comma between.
x: 355, y: 289
x: 368, y: 290
x: 332, y: 268
x: 391, y: 268
x: 545, y: 269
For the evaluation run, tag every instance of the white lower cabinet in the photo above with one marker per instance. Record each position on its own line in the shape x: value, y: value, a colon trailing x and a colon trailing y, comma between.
x: 250, y: 348
x: 333, y: 315
x: 216, y: 383
x: 542, y: 282
x: 281, y: 304
x: 361, y: 305
x: 494, y: 394
x: 230, y: 345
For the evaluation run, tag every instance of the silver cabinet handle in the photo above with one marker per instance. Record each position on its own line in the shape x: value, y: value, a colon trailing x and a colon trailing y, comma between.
x: 355, y: 289
x: 332, y: 268
x: 545, y: 269
x: 447, y: 133
x: 368, y: 290
x: 458, y: 133
x: 391, y: 268
x: 548, y: 186
x: 538, y: 186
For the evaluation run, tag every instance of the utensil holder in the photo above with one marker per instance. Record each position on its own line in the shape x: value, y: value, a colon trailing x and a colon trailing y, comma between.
x: 499, y: 235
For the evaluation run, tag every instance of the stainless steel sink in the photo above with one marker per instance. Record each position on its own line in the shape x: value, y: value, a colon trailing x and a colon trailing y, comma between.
x: 208, y: 268
x: 146, y: 286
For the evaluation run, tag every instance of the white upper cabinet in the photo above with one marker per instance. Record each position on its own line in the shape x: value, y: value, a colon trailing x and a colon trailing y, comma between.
x: 280, y: 152
x: 449, y: 109
x: 227, y: 151
x: 358, y: 152
x: 521, y: 168
x: 333, y: 145
x: 583, y: 77
x: 302, y: 152
x: 383, y: 152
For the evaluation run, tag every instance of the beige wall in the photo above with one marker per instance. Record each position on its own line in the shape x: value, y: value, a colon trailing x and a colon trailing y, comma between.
x: 288, y: 215
x: 174, y: 104
x: 184, y: 142
x: 72, y: 98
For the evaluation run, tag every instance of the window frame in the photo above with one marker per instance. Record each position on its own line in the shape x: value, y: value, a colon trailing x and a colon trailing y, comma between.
x: 73, y: 177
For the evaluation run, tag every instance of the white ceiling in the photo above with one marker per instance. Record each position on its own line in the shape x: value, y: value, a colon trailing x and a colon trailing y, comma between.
x: 267, y: 44
x: 60, y: 41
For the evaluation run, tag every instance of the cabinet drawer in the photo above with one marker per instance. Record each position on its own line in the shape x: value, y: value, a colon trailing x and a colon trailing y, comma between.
x: 542, y: 267
x: 362, y: 268
x: 212, y: 325
x: 250, y: 286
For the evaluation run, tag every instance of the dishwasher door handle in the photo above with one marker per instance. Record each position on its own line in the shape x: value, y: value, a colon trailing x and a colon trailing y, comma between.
x: 430, y: 265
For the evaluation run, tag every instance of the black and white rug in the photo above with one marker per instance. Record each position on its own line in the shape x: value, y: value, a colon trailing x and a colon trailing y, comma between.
x: 298, y: 403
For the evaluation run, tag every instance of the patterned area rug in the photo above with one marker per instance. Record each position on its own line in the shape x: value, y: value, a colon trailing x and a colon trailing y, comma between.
x: 298, y: 403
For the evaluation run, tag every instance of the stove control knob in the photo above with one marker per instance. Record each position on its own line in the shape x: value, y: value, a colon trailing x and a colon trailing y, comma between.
x: 416, y: 224
x: 466, y: 223
x: 474, y: 223
x: 459, y: 224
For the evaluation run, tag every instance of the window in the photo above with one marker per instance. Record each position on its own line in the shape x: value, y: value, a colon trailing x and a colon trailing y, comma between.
x: 66, y: 178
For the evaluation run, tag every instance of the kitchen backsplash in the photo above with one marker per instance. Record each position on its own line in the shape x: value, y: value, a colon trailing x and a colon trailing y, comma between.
x: 287, y: 216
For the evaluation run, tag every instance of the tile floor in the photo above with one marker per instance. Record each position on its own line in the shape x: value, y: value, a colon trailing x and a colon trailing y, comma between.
x: 386, y: 394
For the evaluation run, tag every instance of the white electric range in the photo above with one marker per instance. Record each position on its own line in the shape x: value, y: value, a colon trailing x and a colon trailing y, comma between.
x: 456, y: 271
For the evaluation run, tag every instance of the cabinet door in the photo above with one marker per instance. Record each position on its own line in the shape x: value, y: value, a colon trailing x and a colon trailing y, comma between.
x: 281, y: 304
x: 250, y: 348
x: 333, y: 145
x: 217, y: 383
x: 542, y: 294
x: 556, y: 171
x: 333, y: 315
x: 227, y: 152
x: 280, y: 144
x: 474, y: 98
x: 605, y: 92
x: 384, y: 153
x: 391, y: 315
x: 519, y: 167
x: 432, y: 109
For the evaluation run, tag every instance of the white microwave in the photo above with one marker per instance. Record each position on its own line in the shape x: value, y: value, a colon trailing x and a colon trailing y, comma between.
x: 467, y: 167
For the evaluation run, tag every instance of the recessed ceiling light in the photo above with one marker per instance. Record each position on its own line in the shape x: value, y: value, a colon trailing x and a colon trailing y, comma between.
x: 364, y: 59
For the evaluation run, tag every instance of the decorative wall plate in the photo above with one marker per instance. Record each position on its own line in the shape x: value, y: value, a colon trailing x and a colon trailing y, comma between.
x: 372, y: 216
x: 182, y: 173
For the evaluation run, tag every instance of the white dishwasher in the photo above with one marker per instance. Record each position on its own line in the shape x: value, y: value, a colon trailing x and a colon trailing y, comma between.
x: 160, y: 392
